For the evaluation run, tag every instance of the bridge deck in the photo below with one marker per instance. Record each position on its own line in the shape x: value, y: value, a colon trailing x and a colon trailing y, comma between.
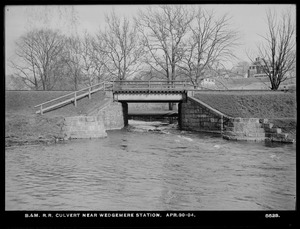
x: 127, y: 91
x: 153, y: 113
x: 150, y: 90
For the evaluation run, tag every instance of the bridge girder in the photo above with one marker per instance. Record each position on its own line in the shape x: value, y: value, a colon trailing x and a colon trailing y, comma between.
x: 150, y: 96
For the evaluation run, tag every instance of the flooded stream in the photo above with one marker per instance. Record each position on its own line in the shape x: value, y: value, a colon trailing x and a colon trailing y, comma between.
x: 151, y: 166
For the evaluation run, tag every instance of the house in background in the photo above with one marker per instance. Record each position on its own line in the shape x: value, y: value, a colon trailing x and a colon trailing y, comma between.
x: 207, y: 82
x: 256, y: 69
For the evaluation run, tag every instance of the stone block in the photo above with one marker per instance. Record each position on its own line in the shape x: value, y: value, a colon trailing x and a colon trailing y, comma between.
x: 100, y: 118
x: 254, y: 120
x: 81, y: 119
x: 273, y: 130
x: 264, y: 120
x: 90, y: 118
x: 239, y: 126
x: 241, y: 134
x: 227, y: 128
x: 268, y: 135
x: 259, y: 135
x: 254, y: 139
x: 259, y: 130
x: 289, y: 140
x: 278, y: 130
x: 229, y: 124
x: 229, y: 133
x: 268, y: 125
x: 238, y: 119
x: 205, y: 124
x: 72, y: 120
x: 232, y: 138
x: 92, y: 127
x: 80, y: 127
x: 280, y: 135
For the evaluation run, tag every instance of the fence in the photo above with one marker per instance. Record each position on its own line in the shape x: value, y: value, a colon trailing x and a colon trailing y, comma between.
x: 151, y: 85
x: 72, y: 97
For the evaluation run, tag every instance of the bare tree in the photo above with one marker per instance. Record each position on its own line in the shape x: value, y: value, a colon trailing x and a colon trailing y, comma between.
x: 121, y: 47
x: 83, y: 61
x: 99, y: 59
x: 278, y: 51
x: 87, y: 54
x: 39, y: 58
x: 211, y: 42
x: 163, y: 31
x: 73, y: 61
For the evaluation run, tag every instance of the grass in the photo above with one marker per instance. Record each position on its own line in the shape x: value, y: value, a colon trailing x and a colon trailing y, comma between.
x: 242, y: 83
x: 279, y: 107
x: 23, y: 102
x: 262, y: 83
x: 254, y: 104
x: 23, y: 126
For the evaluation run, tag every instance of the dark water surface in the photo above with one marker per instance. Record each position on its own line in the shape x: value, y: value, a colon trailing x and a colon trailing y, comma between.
x: 151, y: 166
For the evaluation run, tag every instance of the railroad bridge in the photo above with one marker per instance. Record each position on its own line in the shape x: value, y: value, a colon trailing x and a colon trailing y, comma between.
x: 150, y: 91
x: 125, y: 91
x: 193, y: 114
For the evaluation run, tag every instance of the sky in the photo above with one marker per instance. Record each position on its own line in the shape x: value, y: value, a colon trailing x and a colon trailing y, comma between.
x: 249, y: 20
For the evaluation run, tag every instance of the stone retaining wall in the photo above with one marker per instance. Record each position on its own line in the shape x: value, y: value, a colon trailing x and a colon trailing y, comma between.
x: 275, y: 134
x: 95, y: 124
x: 253, y: 129
x: 83, y: 127
x: 112, y: 114
x: 243, y: 129
x: 196, y: 116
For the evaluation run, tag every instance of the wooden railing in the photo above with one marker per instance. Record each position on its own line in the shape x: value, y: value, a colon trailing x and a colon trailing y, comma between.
x: 151, y: 85
x: 72, y: 97
x: 115, y: 86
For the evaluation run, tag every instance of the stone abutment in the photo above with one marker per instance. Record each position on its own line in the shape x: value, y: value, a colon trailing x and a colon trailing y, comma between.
x: 195, y: 115
x: 94, y: 125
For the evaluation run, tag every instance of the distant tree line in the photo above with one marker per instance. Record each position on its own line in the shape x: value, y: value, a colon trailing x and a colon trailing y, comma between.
x: 167, y: 42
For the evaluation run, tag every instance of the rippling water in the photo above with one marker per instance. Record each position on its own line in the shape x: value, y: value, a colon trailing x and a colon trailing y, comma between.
x: 151, y: 166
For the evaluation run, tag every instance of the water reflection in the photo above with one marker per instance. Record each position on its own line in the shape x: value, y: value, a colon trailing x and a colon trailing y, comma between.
x: 142, y: 169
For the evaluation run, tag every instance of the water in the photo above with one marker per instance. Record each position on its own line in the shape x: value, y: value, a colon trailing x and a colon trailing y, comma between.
x: 151, y: 166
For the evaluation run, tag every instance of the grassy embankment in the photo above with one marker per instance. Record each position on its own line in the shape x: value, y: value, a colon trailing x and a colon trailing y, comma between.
x: 243, y: 83
x: 23, y: 126
x: 279, y: 107
x: 262, y: 83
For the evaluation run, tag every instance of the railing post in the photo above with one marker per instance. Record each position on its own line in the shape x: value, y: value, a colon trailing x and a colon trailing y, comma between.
x: 41, y: 109
x: 89, y: 92
x: 222, y: 121
x: 103, y: 86
x: 75, y: 102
